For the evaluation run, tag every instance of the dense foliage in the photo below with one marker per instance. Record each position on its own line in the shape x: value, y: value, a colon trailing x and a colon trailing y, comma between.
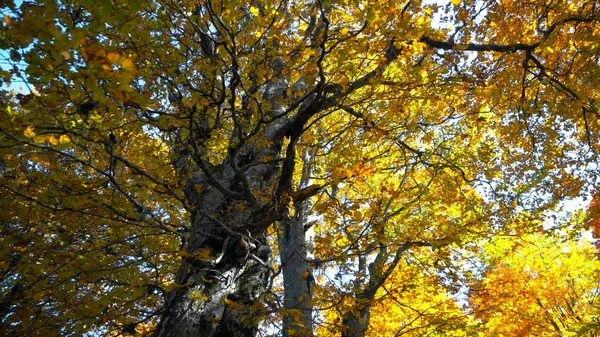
x: 329, y: 167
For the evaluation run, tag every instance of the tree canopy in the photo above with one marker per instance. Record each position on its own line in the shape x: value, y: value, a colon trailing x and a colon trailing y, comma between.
x: 299, y: 168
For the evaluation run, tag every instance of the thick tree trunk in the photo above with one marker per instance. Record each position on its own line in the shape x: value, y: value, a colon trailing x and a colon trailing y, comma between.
x: 224, y: 306
x: 226, y: 265
x: 225, y: 268
x: 233, y: 204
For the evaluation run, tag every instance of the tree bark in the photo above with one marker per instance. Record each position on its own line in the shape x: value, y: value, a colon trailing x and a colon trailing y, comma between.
x: 226, y: 265
x: 233, y: 204
x: 356, y: 321
x: 227, y: 262
x: 295, y: 241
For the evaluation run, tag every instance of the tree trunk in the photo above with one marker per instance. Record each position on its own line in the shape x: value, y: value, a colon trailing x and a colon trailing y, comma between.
x: 226, y: 265
x: 295, y: 241
x: 225, y: 308
x: 356, y: 322
x: 298, y: 281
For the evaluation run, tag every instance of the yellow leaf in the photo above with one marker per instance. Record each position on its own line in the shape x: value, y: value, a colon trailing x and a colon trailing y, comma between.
x: 128, y: 65
x: 456, y: 2
x: 232, y: 304
x: 196, y: 295
x: 38, y: 139
x: 64, y: 139
x: 29, y: 132
x: 254, y: 10
x: 310, y: 79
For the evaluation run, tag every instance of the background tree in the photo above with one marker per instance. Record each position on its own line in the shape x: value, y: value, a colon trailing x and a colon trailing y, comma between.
x: 160, y: 149
x: 412, y: 302
x: 535, y: 285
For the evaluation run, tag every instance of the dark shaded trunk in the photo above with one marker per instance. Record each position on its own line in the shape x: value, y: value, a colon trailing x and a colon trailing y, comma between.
x: 215, y: 301
x: 215, y: 294
x: 356, y: 322
x: 226, y: 266
x: 232, y: 205
x: 227, y: 262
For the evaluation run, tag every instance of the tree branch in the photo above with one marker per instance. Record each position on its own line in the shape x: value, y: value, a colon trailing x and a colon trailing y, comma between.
x: 500, y: 48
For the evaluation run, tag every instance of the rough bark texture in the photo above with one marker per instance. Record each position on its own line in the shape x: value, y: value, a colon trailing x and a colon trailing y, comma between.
x: 215, y: 294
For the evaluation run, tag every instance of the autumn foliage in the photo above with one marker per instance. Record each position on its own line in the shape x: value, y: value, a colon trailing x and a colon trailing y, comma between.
x: 593, y: 213
x: 299, y: 168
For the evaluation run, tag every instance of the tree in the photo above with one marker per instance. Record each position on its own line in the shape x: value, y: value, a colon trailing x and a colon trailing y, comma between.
x: 544, y: 288
x: 412, y: 302
x: 169, y: 159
